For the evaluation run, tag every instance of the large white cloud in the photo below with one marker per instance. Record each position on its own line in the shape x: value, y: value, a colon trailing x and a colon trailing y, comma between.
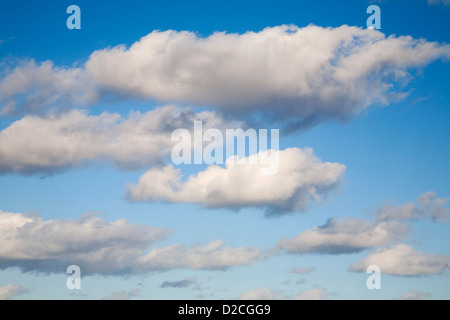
x: 301, y: 179
x: 56, y: 142
x: 98, y: 246
x: 306, y: 73
x: 300, y: 76
x: 344, y: 236
x: 403, y: 260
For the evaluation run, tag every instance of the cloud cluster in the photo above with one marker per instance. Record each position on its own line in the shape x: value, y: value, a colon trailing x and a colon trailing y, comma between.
x: 403, y: 260
x: 302, y: 271
x: 296, y: 76
x: 99, y: 246
x: 301, y: 179
x: 351, y: 235
x: 51, y: 143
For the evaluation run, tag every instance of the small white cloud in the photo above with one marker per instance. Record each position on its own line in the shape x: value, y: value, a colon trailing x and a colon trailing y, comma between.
x: 414, y: 295
x: 306, y: 270
x: 403, y: 260
x: 313, y: 294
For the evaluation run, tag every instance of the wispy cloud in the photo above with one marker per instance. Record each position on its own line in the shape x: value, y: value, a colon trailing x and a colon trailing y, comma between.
x: 123, y: 295
x: 178, y: 284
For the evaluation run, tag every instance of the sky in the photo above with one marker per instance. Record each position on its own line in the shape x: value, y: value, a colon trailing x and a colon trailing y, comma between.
x: 87, y: 177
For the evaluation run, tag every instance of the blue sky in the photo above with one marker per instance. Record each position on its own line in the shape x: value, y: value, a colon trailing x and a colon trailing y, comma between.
x: 385, y: 120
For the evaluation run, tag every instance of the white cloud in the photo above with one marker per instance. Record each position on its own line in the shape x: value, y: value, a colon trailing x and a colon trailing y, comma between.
x: 40, y: 88
x: 426, y: 206
x: 11, y: 291
x: 258, y: 294
x: 313, y: 294
x: 306, y: 270
x: 298, y: 76
x: 47, y: 144
x: 344, y: 236
x: 96, y: 245
x: 403, y: 260
x: 301, y: 179
x: 99, y: 246
x: 308, y: 73
x: 213, y: 256
x: 414, y: 295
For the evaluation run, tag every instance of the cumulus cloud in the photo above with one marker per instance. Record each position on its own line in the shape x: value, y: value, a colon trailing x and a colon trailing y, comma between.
x: 414, y: 295
x: 344, y: 236
x: 41, y: 88
x: 306, y: 270
x: 403, y: 260
x: 214, y: 256
x: 426, y: 206
x: 178, y: 284
x: 122, y: 295
x: 296, y: 76
x: 51, y: 143
x: 98, y: 246
x: 302, y: 178
x: 11, y: 291
x: 309, y: 73
x: 313, y: 294
x: 258, y: 294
